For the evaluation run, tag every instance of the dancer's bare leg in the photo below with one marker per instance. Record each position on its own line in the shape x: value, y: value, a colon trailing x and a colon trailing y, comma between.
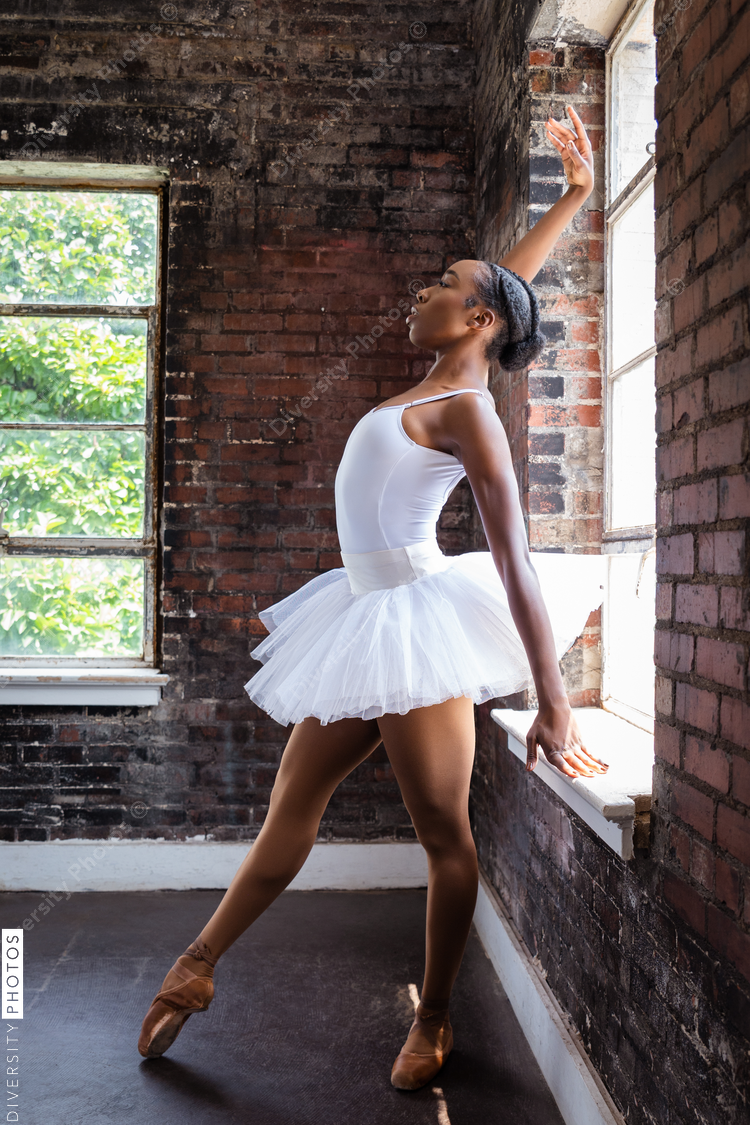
x: 316, y: 759
x: 431, y: 750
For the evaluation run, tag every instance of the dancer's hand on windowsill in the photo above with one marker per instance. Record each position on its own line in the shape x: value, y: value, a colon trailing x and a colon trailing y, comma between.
x: 575, y: 151
x: 556, y: 731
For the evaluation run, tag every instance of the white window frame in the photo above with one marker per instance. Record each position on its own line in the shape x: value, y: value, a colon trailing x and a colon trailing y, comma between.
x: 640, y: 539
x: 113, y: 680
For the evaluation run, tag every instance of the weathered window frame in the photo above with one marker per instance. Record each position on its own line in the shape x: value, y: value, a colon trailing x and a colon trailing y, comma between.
x: 640, y: 539
x: 70, y: 679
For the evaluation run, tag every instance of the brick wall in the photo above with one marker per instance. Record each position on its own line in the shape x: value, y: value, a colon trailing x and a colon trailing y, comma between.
x: 702, y: 777
x: 651, y: 959
x: 322, y: 159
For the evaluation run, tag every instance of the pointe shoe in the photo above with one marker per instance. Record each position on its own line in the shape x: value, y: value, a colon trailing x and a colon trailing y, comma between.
x: 181, y: 994
x: 414, y: 1069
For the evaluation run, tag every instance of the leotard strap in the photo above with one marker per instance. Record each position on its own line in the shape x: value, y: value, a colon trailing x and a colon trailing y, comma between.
x: 433, y: 398
x: 446, y: 394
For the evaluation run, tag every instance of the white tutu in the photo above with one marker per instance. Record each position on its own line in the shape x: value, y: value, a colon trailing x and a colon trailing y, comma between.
x: 448, y: 632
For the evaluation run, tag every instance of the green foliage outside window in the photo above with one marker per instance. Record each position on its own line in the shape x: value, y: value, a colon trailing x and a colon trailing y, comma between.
x: 80, y: 248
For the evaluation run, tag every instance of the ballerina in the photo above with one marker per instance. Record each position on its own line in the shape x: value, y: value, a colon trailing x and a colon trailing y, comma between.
x: 401, y: 642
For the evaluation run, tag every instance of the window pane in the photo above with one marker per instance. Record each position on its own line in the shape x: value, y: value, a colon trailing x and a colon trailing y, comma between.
x: 71, y: 607
x: 78, y: 247
x: 73, y: 482
x: 633, y: 448
x: 633, y: 280
x: 72, y: 369
x: 630, y: 631
x: 633, y: 81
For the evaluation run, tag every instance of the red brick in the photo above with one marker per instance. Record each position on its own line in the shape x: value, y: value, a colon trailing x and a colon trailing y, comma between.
x: 735, y: 721
x: 721, y: 446
x: 735, y: 608
x: 720, y: 337
x: 702, y: 865
x: 721, y: 552
x: 698, y: 605
x: 694, y: 807
x: 690, y: 304
x: 706, y: 236
x: 663, y: 417
x: 696, y: 707
x: 541, y: 58
x: 674, y: 554
x: 733, y: 833
x: 741, y: 779
x: 673, y: 651
x: 734, y: 493
x: 728, y: 167
x: 251, y: 322
x: 663, y: 695
x: 731, y: 54
x: 214, y: 300
x: 218, y: 343
x: 728, y: 276
x: 687, y: 208
x: 679, y: 842
x: 727, y: 884
x: 688, y: 403
x: 674, y: 363
x: 686, y: 902
x: 664, y: 508
x: 696, y: 503
x: 676, y: 458
x: 664, y: 601
x: 721, y: 661
x: 726, y: 937
x: 667, y: 743
x: 711, y: 766
x: 728, y: 388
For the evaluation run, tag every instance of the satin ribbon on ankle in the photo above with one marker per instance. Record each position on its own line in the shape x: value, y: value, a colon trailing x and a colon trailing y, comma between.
x: 200, y: 951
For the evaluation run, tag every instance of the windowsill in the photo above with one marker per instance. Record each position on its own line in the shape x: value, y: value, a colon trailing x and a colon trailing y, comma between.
x: 134, y: 687
x: 616, y: 805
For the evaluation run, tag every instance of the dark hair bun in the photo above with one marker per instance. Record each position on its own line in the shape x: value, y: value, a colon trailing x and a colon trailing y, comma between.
x: 514, y: 357
x: 519, y: 339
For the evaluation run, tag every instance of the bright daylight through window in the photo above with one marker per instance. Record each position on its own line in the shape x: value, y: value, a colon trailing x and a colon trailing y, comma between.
x: 78, y: 341
x: 630, y: 441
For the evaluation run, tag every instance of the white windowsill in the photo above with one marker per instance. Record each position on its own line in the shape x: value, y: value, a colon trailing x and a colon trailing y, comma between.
x: 50, y: 684
x: 616, y: 805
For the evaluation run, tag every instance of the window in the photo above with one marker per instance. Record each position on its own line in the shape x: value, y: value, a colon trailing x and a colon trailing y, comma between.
x: 630, y: 438
x: 79, y: 350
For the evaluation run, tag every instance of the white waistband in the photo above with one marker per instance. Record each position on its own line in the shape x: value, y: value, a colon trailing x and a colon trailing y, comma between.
x: 382, y: 570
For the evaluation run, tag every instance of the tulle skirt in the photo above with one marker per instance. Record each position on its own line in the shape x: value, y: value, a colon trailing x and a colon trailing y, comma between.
x: 394, y: 630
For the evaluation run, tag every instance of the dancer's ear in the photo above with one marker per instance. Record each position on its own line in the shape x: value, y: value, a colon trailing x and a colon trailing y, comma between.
x: 484, y: 318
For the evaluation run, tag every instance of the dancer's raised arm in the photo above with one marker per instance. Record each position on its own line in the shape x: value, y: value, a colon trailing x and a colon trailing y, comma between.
x: 529, y: 254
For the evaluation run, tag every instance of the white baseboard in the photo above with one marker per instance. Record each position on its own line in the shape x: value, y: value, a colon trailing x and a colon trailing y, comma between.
x: 161, y: 865
x: 578, y: 1090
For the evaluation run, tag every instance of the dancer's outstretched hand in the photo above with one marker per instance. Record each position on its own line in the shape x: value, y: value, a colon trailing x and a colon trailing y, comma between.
x: 575, y: 150
x: 556, y: 732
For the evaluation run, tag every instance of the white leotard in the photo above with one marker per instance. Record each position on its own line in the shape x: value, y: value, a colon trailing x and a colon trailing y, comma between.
x: 390, y: 490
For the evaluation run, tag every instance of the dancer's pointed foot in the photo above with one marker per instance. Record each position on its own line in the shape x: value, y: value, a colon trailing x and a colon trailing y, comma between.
x: 429, y: 1043
x: 187, y: 988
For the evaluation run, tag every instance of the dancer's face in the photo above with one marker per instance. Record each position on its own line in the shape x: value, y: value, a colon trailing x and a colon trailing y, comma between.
x: 439, y: 316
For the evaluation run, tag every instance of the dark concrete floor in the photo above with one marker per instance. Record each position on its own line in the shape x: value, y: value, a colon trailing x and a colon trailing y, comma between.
x: 311, y: 1007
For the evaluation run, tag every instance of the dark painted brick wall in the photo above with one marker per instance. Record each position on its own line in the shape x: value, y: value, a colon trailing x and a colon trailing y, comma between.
x: 316, y: 173
x: 651, y: 959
